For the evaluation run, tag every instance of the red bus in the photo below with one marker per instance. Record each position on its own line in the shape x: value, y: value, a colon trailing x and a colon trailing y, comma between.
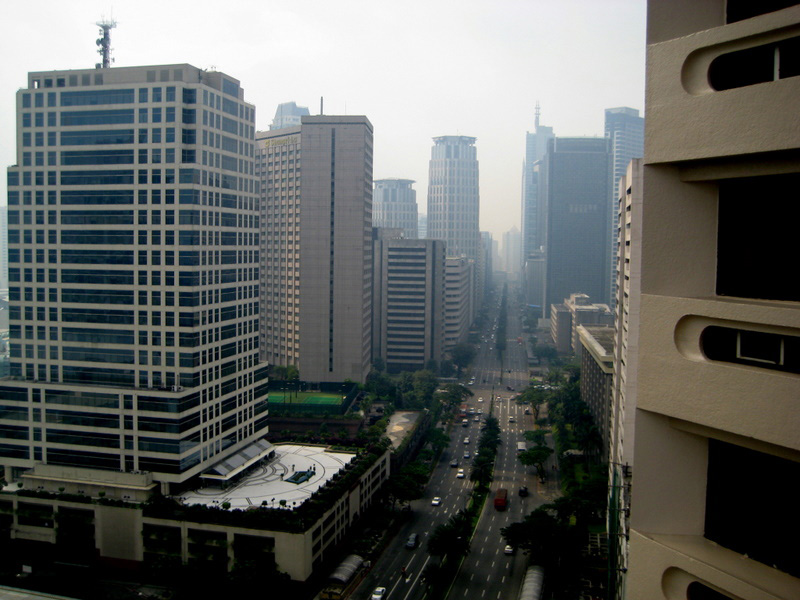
x: 501, y: 499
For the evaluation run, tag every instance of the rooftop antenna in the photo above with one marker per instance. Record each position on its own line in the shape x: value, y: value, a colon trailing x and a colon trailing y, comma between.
x: 536, y: 121
x: 320, y: 106
x: 104, y: 42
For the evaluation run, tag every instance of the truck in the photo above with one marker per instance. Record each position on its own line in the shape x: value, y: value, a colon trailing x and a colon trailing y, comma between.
x: 501, y: 499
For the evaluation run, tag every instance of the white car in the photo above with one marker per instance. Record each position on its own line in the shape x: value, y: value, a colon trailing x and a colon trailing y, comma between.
x: 460, y: 474
x: 378, y: 593
x: 466, y: 440
x: 480, y: 399
x: 437, y: 501
x: 509, y: 549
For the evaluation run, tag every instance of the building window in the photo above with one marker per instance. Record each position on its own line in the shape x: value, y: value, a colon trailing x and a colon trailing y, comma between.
x: 770, y: 534
x: 757, y: 268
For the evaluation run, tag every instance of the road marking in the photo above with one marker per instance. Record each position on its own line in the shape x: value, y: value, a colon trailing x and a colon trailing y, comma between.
x: 411, y: 587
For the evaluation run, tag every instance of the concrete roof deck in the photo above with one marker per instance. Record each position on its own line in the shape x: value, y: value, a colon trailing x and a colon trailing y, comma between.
x: 267, y: 483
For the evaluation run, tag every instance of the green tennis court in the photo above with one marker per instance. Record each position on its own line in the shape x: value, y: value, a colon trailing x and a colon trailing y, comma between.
x: 318, y: 398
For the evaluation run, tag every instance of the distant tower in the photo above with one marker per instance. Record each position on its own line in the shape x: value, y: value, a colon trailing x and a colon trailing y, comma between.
x: 106, y: 25
x: 394, y: 204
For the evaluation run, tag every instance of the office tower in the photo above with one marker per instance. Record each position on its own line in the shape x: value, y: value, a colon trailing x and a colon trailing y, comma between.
x: 422, y: 227
x: 3, y: 248
x: 626, y: 360
x: 597, y: 375
x: 625, y: 128
x: 394, y: 205
x: 453, y: 198
x: 512, y: 252
x: 133, y: 266
x: 717, y: 451
x: 288, y: 114
x: 532, y: 208
x: 316, y: 254
x: 459, y: 274
x: 487, y: 246
x: 573, y: 312
x: 408, y: 315
x: 576, y: 196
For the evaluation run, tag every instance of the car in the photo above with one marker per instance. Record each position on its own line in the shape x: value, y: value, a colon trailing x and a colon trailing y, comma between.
x: 477, y: 418
x: 523, y: 491
x: 413, y: 541
x: 460, y: 474
x: 527, y: 411
x: 509, y: 549
x: 512, y: 420
x: 378, y: 593
x: 436, y: 501
x: 467, y: 454
x: 466, y: 440
x: 454, y: 462
x: 481, y: 398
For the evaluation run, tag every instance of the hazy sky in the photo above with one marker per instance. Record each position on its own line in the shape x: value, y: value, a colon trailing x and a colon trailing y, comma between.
x: 417, y: 69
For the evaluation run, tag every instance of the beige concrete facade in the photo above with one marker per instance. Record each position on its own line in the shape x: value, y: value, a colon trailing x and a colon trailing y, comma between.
x: 717, y: 377
x: 317, y: 247
x: 408, y: 317
x: 459, y: 299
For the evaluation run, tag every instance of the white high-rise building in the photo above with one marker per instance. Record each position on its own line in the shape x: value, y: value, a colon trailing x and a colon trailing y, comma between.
x: 316, y: 255
x: 453, y: 195
x: 394, y: 205
x: 133, y: 268
x: 625, y: 128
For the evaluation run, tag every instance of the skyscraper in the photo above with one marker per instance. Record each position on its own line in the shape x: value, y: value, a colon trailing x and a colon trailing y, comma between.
x: 576, y: 196
x: 316, y: 264
x: 512, y: 252
x: 533, y: 232
x: 288, y: 114
x: 408, y: 320
x: 394, y: 205
x: 453, y: 196
x: 625, y: 128
x: 133, y: 267
x: 717, y: 451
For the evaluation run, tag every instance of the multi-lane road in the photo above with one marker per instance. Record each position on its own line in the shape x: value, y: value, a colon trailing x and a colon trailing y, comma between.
x: 487, y: 571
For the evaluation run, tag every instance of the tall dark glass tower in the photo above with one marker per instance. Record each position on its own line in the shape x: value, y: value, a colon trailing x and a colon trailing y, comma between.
x: 576, y: 172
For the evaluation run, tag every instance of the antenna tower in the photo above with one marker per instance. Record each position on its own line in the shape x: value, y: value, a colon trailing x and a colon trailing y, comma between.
x: 104, y: 42
x: 536, y: 121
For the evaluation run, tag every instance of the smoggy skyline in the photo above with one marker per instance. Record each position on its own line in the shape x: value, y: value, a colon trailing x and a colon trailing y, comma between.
x: 416, y: 69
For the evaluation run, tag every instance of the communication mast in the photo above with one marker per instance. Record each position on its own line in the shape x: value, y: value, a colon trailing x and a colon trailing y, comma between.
x: 536, y: 122
x: 104, y: 42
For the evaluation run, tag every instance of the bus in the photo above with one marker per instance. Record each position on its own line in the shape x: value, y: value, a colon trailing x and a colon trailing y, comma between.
x: 501, y: 499
x: 521, y: 447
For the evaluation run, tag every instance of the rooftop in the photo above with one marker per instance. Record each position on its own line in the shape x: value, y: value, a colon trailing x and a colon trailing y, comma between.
x: 401, y: 423
x: 269, y: 482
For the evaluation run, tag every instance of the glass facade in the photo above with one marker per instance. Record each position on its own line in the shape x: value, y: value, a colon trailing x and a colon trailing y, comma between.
x: 99, y: 329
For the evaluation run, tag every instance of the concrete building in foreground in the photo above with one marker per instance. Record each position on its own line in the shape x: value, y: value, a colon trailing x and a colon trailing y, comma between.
x: 316, y: 247
x: 133, y: 267
x: 717, y: 450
